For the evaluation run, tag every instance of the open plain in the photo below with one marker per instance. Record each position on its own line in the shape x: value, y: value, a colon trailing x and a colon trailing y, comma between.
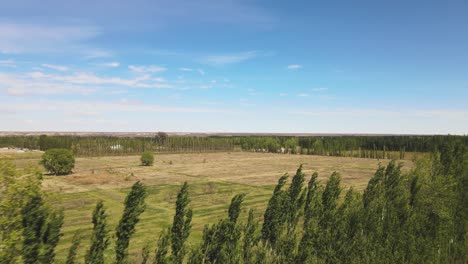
x: 214, y: 178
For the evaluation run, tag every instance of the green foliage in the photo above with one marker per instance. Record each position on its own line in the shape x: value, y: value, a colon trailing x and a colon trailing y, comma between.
x: 51, y: 236
x: 392, y: 147
x: 275, y: 214
x: 251, y: 238
x: 181, y: 225
x: 41, y: 231
x: 134, y: 207
x: 145, y: 252
x: 71, y: 257
x: 58, y: 161
x: 16, y: 190
x: 147, y: 158
x: 33, y: 222
x: 162, y: 248
x: 100, y: 237
x: 221, y: 241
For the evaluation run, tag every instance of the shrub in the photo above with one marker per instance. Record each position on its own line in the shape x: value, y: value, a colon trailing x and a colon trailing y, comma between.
x: 147, y: 158
x: 58, y: 161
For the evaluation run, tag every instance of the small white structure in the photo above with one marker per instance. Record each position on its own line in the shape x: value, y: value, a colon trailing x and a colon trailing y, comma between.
x: 116, y: 147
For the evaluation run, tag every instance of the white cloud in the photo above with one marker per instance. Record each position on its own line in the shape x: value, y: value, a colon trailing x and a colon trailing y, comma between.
x: 202, y: 72
x: 101, y: 107
x: 90, y: 54
x: 143, y: 81
x: 55, y: 67
x: 224, y: 59
x: 113, y: 64
x: 39, y: 83
x: 294, y: 66
x: 18, y: 38
x: 149, y: 68
x: 384, y: 113
x: 185, y: 69
x: 8, y: 63
x: 283, y: 94
x: 320, y: 89
x: 303, y: 95
x: 24, y: 86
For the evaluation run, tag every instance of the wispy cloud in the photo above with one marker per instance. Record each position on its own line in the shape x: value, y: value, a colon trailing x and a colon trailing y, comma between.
x: 143, y: 81
x: 185, y: 69
x: 202, y: 72
x: 16, y: 85
x: 294, y: 66
x: 8, y: 63
x: 303, y: 95
x: 224, y: 59
x: 101, y: 107
x: 83, y: 83
x: 381, y: 113
x: 148, y: 68
x: 113, y: 64
x: 320, y: 89
x: 90, y: 54
x: 55, y: 67
x: 20, y: 37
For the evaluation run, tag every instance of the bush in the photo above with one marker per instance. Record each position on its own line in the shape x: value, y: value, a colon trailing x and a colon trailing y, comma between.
x: 58, y: 161
x: 147, y: 158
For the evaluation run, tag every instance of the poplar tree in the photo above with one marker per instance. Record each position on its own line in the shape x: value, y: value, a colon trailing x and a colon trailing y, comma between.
x: 162, y: 248
x: 33, y: 220
x: 221, y: 241
x: 181, y: 225
x: 134, y: 207
x: 327, y: 220
x: 100, y: 236
x: 71, y: 257
x: 145, y: 253
x: 51, y: 236
x: 251, y: 238
x: 274, y: 216
x: 312, y: 211
x: 296, y: 200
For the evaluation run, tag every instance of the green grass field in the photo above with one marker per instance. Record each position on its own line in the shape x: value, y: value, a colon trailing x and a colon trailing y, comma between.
x: 214, y: 179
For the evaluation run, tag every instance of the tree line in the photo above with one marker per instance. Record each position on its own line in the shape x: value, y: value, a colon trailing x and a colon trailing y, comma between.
x: 418, y: 217
x: 391, y: 147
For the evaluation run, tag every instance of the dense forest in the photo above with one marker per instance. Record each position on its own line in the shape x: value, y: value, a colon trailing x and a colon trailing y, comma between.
x: 392, y: 147
x: 416, y: 217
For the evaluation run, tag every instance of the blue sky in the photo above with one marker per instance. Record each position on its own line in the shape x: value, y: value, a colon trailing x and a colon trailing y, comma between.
x: 235, y: 66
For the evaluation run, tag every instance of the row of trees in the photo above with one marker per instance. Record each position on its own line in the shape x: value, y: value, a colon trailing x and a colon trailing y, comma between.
x: 419, y: 217
x: 392, y: 147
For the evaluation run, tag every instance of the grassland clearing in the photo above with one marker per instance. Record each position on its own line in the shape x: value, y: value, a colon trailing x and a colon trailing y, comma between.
x: 213, y: 177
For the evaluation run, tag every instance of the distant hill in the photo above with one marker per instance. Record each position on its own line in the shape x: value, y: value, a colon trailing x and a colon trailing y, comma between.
x: 195, y: 134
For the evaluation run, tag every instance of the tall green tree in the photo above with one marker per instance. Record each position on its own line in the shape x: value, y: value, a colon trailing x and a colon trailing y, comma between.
x: 134, y: 207
x: 251, y: 238
x: 275, y: 215
x: 221, y: 241
x: 51, y: 236
x: 58, y: 161
x: 100, y: 236
x: 312, y: 211
x: 16, y: 189
x: 181, y: 225
x: 34, y: 220
x: 71, y: 257
x: 162, y: 248
x: 328, y: 219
